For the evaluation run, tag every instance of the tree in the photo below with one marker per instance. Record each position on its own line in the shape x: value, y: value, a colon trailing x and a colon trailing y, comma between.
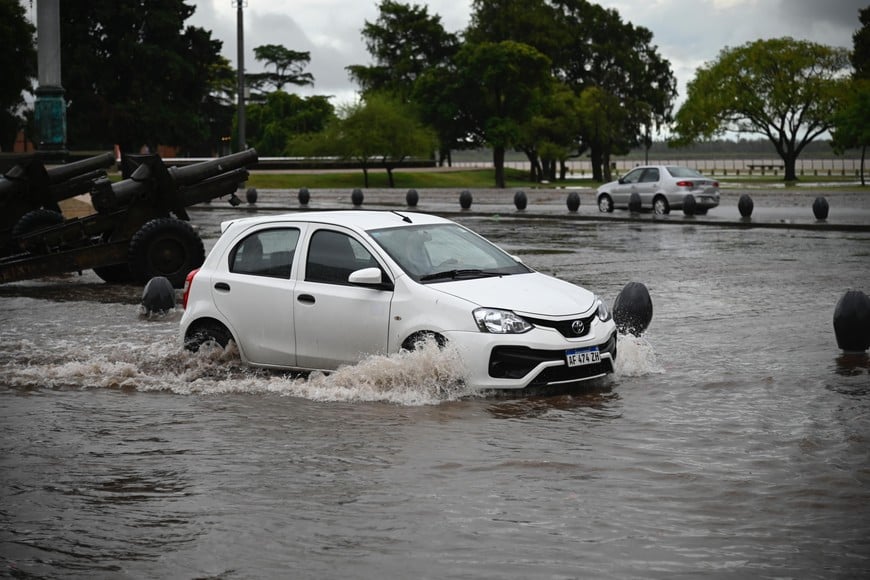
x: 380, y: 130
x: 283, y: 119
x: 597, y: 49
x: 134, y: 75
x: 497, y: 88
x: 289, y: 66
x: 852, y: 119
x: 783, y: 89
x: 404, y: 41
x: 18, y: 63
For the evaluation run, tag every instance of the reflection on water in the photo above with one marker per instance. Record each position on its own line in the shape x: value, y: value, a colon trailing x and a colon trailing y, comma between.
x: 731, y: 443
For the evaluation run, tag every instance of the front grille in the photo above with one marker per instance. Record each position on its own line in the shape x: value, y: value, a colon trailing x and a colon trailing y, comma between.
x: 564, y: 326
x: 515, y: 362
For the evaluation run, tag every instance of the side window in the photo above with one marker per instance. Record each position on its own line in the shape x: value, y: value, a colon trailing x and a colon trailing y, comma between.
x: 632, y: 176
x: 650, y: 176
x: 265, y: 253
x: 332, y: 256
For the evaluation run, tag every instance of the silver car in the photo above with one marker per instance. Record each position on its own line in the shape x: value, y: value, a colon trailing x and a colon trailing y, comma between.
x: 661, y: 188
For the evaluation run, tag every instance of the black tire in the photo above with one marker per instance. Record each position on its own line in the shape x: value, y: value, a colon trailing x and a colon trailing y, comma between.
x: 661, y: 205
x: 419, y: 337
x: 36, y: 220
x: 165, y: 247
x: 605, y: 203
x: 206, y: 331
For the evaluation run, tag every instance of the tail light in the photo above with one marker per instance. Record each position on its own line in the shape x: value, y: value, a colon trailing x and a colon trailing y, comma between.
x: 716, y: 184
x: 685, y: 184
x: 188, y: 282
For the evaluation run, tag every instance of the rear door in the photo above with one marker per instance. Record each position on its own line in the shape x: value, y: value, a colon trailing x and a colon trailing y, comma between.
x: 648, y: 185
x: 336, y: 322
x: 255, y: 293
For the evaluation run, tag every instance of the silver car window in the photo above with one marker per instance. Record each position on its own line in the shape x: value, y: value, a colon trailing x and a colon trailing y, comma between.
x: 632, y: 176
x: 650, y: 175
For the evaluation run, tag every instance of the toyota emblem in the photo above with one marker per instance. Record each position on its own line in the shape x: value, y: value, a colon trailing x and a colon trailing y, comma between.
x: 578, y: 327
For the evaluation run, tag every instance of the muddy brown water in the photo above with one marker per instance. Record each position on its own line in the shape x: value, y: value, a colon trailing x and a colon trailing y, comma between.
x: 733, y: 442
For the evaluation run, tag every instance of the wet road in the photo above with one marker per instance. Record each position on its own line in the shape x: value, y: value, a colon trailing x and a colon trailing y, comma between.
x: 734, y: 441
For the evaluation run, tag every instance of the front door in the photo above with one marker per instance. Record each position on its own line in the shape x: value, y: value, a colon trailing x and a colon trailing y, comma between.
x: 336, y: 322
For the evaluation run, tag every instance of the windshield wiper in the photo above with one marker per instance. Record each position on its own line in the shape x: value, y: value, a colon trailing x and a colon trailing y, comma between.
x: 454, y: 274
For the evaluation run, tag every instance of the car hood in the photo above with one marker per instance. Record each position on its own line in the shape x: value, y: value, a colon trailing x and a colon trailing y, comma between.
x: 533, y: 293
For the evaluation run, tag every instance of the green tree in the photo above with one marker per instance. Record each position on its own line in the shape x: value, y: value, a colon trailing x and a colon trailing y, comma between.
x: 404, y: 41
x: 852, y: 119
x: 861, y: 46
x: 283, y: 121
x: 784, y: 89
x: 597, y: 49
x: 380, y: 131
x: 18, y: 63
x: 498, y: 87
x: 134, y: 75
x: 289, y: 68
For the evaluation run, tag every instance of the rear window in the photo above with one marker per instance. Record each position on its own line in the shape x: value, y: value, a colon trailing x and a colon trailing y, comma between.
x: 683, y: 172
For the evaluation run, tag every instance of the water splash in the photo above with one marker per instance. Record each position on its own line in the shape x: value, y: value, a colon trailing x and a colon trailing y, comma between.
x: 636, y: 357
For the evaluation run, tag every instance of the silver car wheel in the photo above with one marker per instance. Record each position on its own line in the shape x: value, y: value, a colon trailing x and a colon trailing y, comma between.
x: 605, y: 204
x: 661, y: 206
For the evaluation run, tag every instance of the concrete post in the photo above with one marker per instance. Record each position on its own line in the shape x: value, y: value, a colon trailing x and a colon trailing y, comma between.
x: 50, y: 106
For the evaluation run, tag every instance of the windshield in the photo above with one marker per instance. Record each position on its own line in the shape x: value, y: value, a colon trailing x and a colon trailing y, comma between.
x: 442, y: 252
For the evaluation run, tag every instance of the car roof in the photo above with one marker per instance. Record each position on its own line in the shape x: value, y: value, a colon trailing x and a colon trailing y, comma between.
x: 355, y: 219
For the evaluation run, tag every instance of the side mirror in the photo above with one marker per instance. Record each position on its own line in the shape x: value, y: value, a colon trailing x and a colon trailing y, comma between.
x: 369, y: 277
x: 621, y: 181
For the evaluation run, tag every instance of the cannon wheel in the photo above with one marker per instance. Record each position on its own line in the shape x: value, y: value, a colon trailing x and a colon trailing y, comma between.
x: 35, y: 220
x: 165, y: 247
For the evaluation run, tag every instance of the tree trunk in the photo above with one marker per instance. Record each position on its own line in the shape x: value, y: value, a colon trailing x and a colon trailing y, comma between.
x: 563, y: 170
x: 498, y: 165
x: 365, y: 177
x: 595, y: 154
x: 789, y: 161
x: 390, y: 177
x: 863, y: 152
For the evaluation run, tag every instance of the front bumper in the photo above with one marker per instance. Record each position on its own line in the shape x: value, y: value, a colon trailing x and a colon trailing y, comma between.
x: 516, y: 362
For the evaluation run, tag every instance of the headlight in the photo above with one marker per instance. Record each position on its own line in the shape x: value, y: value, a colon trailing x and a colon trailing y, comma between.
x: 500, y: 321
x: 603, y: 310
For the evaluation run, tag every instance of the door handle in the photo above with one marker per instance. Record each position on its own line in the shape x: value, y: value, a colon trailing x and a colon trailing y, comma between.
x: 222, y: 286
x: 306, y: 298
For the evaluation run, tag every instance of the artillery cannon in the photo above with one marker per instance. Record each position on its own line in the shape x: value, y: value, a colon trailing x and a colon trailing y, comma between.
x: 132, y: 237
x: 30, y: 189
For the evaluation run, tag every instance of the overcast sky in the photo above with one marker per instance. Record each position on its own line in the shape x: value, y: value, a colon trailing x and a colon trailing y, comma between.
x: 687, y: 32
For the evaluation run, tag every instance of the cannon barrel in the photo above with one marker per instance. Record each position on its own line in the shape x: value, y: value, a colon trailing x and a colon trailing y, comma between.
x: 206, y: 169
x: 217, y: 186
x: 67, y: 171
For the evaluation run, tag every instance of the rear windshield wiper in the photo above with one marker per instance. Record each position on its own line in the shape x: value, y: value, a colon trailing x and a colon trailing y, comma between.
x: 454, y: 274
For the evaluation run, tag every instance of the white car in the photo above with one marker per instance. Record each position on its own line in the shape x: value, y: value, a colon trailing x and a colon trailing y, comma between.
x: 318, y: 290
x: 660, y: 188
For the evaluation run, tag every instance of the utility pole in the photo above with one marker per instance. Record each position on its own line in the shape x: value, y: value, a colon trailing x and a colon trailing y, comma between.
x: 240, y: 36
x: 49, y: 107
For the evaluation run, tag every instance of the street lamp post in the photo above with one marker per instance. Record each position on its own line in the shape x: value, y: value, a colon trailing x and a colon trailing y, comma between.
x: 49, y: 107
x: 240, y: 35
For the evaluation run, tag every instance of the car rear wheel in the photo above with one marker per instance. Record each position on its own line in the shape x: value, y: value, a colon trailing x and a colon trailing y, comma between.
x: 661, y: 205
x: 204, y: 332
x: 605, y: 203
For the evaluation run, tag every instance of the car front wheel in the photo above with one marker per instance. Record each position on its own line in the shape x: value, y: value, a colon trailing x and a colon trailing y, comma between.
x: 661, y: 205
x: 605, y: 204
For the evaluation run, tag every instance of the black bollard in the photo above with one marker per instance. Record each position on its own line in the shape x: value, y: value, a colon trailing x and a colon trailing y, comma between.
x: 633, y: 309
x: 573, y: 201
x: 745, y: 205
x: 690, y: 206
x: 304, y: 196
x: 356, y: 197
x: 634, y: 202
x: 820, y: 208
x: 520, y: 200
x: 852, y: 321
x: 251, y: 195
x: 411, y: 198
x: 158, y: 296
x: 465, y: 199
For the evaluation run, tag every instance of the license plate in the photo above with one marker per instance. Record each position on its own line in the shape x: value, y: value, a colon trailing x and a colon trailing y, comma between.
x: 583, y: 356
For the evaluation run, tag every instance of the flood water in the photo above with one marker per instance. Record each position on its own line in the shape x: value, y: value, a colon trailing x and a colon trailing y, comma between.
x: 733, y: 442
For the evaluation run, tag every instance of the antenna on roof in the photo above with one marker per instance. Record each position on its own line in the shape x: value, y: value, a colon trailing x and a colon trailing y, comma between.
x: 404, y: 217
